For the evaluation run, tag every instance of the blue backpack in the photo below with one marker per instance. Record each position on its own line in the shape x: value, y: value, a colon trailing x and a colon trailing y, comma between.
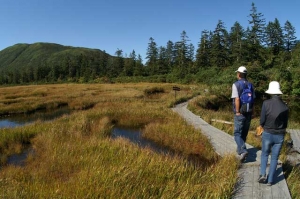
x: 246, y: 97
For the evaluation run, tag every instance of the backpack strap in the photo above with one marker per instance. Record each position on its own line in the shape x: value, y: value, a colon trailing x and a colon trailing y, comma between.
x: 242, y: 86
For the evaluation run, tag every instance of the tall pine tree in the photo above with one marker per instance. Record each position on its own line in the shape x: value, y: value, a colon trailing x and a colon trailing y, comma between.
x: 219, y: 53
x: 236, y: 36
x: 204, y: 50
x: 274, y: 37
x: 170, y: 55
x: 289, y: 36
x: 152, y: 55
x: 255, y: 35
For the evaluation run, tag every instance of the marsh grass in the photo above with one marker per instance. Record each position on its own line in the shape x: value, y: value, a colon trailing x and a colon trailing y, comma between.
x: 26, y: 99
x: 13, y: 141
x: 183, y: 139
x: 74, y: 156
x: 293, y: 180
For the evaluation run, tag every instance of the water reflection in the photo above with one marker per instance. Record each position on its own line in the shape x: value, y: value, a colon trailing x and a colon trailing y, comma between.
x: 135, y: 136
x: 24, y: 119
x: 19, y: 159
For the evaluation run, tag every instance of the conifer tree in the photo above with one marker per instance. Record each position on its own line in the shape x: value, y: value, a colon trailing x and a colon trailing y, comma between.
x: 103, y: 62
x: 257, y: 23
x: 176, y: 52
x: 115, y: 66
x: 120, y: 62
x: 138, y: 70
x: 181, y: 50
x: 219, y: 53
x: 162, y: 62
x: 190, y: 59
x: 274, y: 37
x: 255, y: 34
x: 237, y: 35
x: 129, y: 64
x: 191, y: 52
x: 289, y: 36
x: 152, y: 54
x: 170, y: 55
x: 203, y: 51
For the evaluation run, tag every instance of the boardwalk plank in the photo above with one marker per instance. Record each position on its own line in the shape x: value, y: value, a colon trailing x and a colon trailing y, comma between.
x: 295, y: 135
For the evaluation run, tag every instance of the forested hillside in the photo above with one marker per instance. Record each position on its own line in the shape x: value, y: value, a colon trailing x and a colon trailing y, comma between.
x: 270, y: 51
x: 48, y: 62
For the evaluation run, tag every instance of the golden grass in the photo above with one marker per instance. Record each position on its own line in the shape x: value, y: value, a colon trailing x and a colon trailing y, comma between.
x: 74, y: 156
x: 293, y: 180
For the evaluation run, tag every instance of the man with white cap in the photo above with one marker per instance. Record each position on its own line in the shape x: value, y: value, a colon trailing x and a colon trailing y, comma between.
x: 242, y: 116
x: 274, y: 120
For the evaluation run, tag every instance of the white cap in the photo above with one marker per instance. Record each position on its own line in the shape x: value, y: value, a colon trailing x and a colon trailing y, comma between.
x: 242, y: 69
x: 274, y: 88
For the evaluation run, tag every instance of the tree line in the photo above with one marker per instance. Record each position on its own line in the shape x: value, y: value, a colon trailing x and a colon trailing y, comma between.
x: 270, y: 50
x: 269, y: 45
x: 261, y: 46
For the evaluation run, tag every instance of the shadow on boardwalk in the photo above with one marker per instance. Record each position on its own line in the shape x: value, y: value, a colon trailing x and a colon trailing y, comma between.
x: 247, y: 186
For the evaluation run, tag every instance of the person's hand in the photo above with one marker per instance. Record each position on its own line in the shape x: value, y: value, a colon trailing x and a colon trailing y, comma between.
x: 259, y: 130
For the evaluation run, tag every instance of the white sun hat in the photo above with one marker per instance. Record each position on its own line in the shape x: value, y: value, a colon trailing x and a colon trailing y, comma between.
x: 274, y: 88
x: 242, y: 69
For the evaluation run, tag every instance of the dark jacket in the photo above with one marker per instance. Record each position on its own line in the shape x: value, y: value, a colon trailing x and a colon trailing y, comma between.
x: 274, y: 115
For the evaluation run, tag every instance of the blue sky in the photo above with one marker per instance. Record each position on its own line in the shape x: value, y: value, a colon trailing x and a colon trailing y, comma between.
x: 128, y: 24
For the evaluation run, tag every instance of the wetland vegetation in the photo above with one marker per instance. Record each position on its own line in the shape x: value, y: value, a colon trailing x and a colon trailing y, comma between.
x: 74, y: 155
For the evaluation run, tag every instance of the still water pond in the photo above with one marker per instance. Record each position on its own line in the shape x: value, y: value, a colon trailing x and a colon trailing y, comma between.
x: 135, y: 136
x: 132, y: 135
x: 24, y: 119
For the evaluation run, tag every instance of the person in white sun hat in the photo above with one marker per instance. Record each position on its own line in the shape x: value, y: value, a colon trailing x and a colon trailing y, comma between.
x: 274, y: 120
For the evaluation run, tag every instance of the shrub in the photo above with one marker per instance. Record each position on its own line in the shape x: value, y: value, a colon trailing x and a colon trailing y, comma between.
x: 153, y: 90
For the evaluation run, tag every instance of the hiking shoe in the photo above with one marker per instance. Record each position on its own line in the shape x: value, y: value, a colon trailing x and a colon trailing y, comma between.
x: 243, y: 156
x: 262, y: 179
x: 269, y: 184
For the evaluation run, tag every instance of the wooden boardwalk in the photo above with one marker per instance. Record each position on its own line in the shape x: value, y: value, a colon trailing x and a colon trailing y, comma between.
x: 247, y: 186
x: 294, y: 152
x: 295, y: 135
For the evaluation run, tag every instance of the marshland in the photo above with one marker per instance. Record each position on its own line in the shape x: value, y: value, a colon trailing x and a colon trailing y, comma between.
x: 75, y: 155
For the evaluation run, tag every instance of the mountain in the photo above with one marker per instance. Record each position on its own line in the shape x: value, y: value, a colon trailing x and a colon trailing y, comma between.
x: 23, y: 56
x: 50, y: 62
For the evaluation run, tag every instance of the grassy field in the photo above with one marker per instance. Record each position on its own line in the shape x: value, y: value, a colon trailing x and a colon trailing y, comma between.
x: 75, y: 157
